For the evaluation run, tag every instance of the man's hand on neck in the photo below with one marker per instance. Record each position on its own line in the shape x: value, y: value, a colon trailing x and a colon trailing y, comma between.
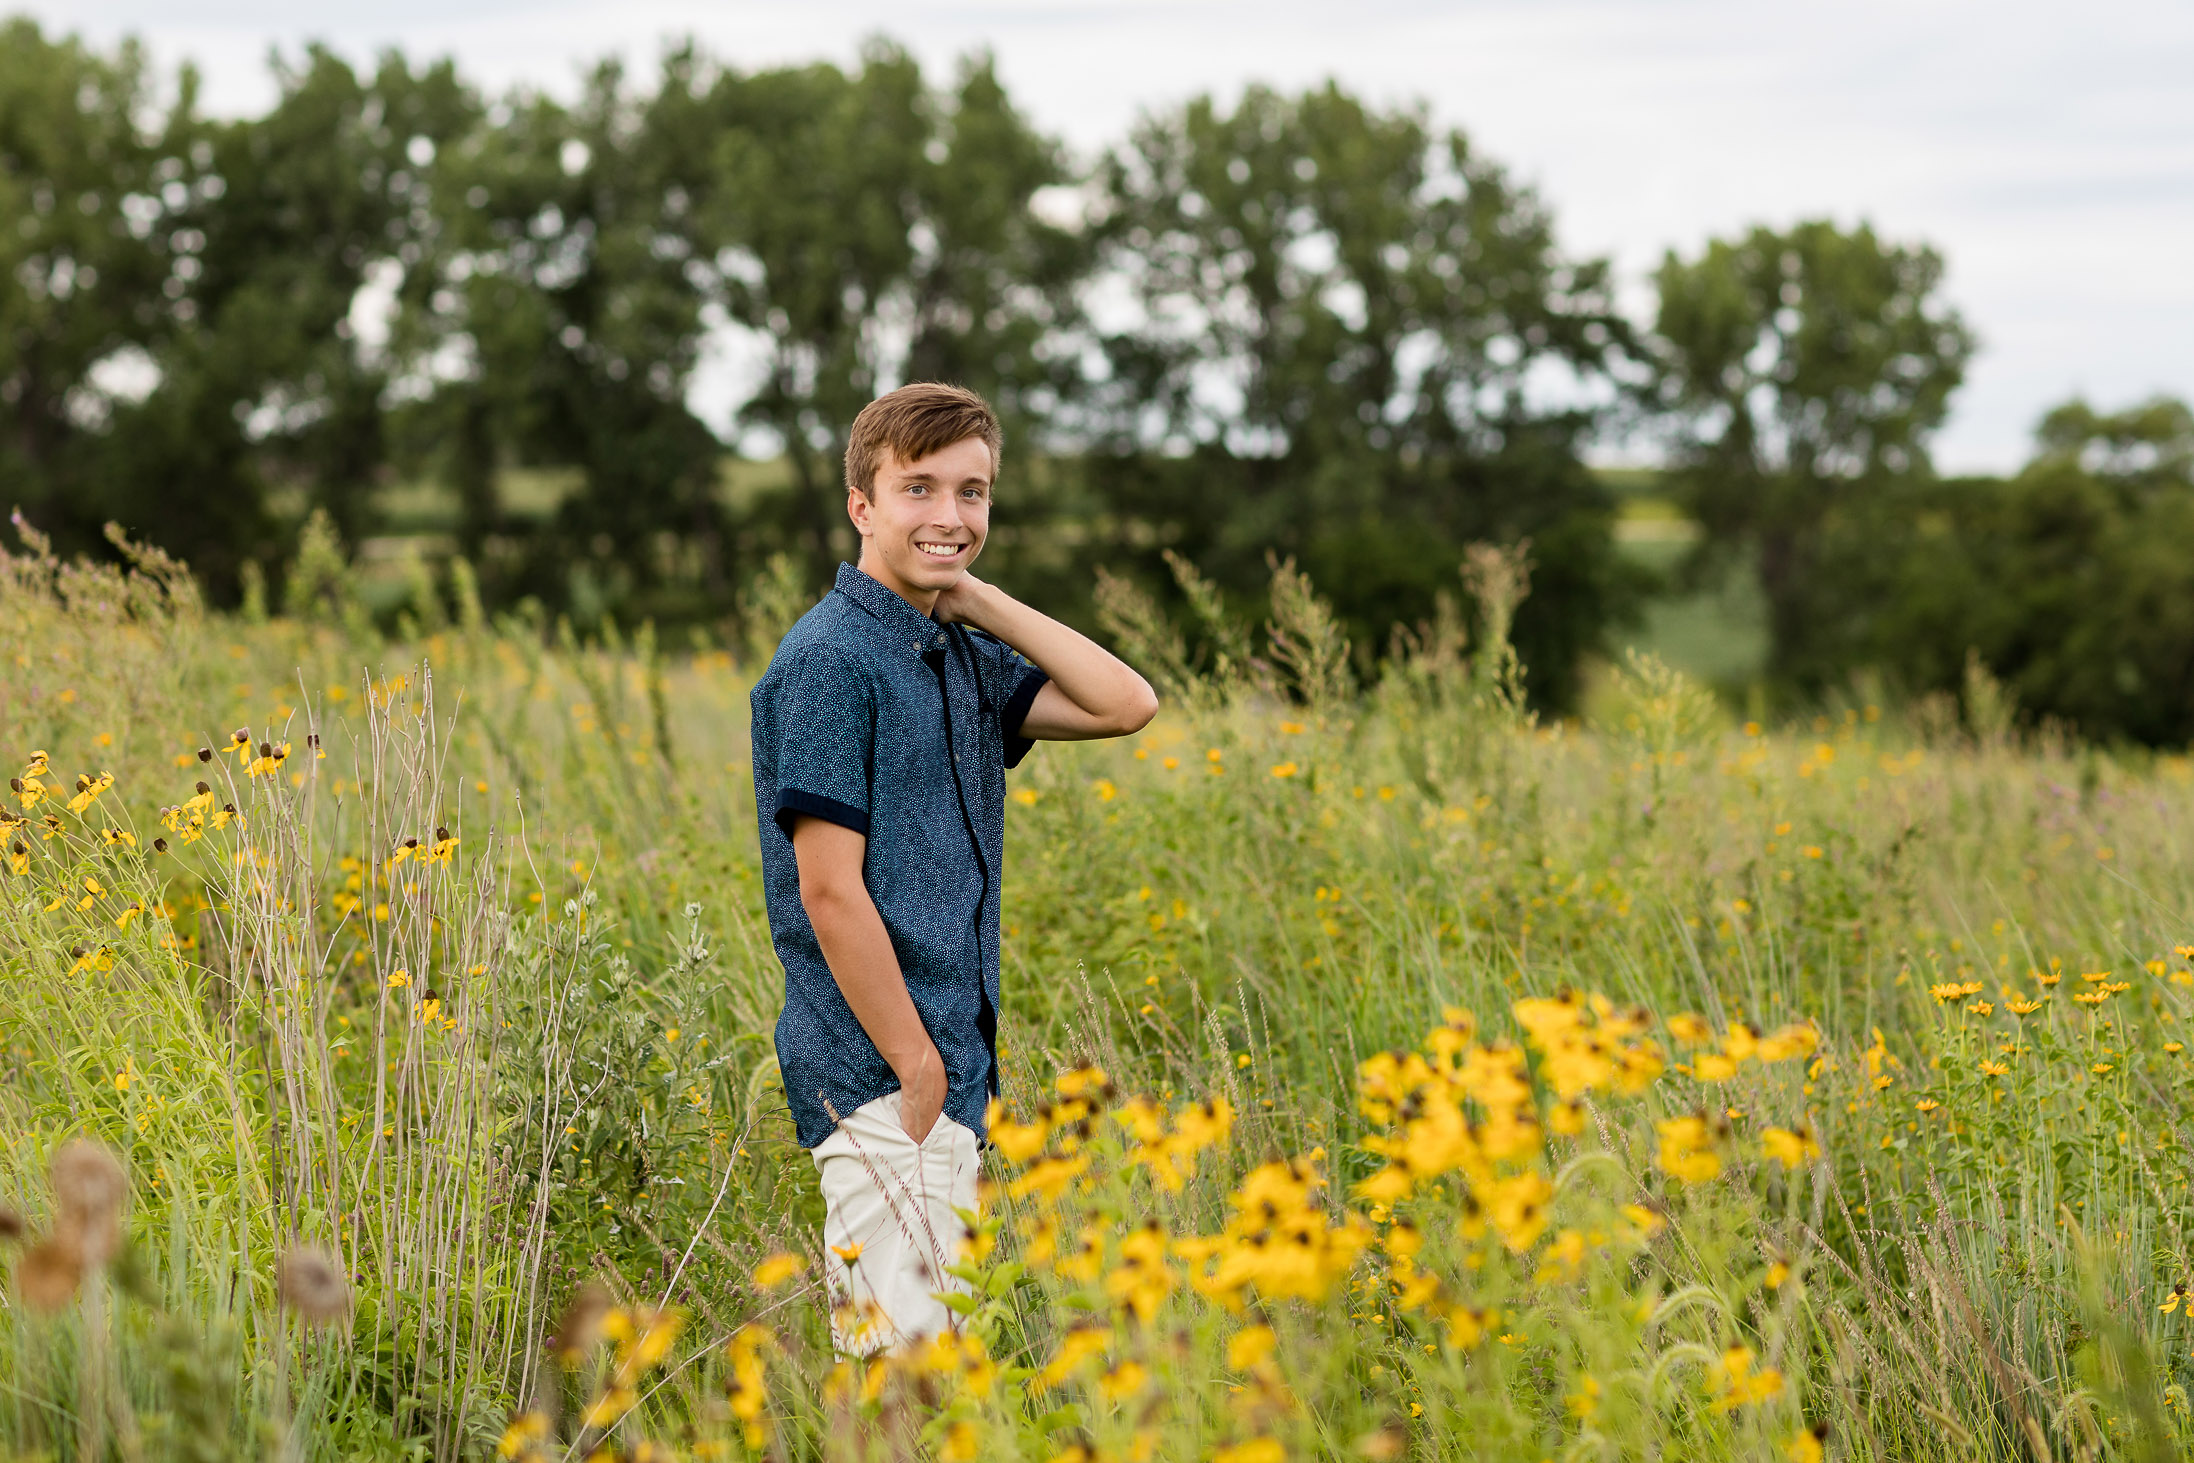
x: 967, y: 602
x: 1092, y: 692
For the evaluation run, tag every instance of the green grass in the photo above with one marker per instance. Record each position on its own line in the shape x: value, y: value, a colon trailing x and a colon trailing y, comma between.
x: 1285, y: 877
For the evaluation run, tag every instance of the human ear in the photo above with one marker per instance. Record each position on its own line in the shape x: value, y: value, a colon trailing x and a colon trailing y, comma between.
x: 859, y: 509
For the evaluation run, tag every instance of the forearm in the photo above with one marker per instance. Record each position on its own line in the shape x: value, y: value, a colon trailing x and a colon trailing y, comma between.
x: 866, y: 968
x: 1092, y: 677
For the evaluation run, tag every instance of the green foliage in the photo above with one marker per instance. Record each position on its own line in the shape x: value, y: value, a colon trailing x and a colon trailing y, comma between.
x: 1339, y: 308
x: 389, y: 273
x: 2068, y: 583
x: 319, y: 585
x: 178, y: 303
x: 1805, y: 371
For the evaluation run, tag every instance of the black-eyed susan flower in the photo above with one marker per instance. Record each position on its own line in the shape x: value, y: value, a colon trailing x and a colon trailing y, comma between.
x: 1808, y: 1445
x: 1248, y: 1348
x: 527, y: 1437
x: 1736, y: 1382
x: 1690, y: 1030
x: 1687, y: 1149
x: 1791, y: 1147
x: 777, y: 1269
x: 1081, y: 1344
x: 1123, y: 1380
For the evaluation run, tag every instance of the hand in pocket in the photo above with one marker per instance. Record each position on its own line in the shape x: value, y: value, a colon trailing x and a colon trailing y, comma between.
x: 922, y: 1097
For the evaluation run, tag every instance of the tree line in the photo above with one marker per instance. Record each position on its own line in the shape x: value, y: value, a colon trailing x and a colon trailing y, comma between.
x: 1296, y: 326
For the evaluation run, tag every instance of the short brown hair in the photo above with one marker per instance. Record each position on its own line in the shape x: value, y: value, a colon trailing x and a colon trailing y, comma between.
x: 913, y: 422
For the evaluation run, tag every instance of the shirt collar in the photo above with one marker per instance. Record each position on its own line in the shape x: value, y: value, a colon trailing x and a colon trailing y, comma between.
x: 892, y: 612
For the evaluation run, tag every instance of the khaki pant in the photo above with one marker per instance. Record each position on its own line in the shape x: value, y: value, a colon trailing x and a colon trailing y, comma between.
x: 895, y: 1200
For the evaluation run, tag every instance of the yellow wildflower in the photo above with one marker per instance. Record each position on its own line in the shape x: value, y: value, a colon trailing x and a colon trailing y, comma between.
x: 1517, y: 1207
x: 1791, y: 1146
x: 1248, y: 1347
x: 1123, y: 1381
x: 1076, y: 1348
x: 1713, y: 1067
x: 526, y: 1436
x: 1686, y: 1150
x: 1690, y: 1030
x: 777, y: 1269
x: 1740, y: 1384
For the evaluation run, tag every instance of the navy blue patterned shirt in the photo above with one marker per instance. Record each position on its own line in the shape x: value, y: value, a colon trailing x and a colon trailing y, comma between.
x: 876, y: 717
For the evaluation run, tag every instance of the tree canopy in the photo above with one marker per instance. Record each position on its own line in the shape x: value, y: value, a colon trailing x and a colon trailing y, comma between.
x: 1294, y: 328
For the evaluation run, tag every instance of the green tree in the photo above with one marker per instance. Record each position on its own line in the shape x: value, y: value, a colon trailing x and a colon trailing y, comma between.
x: 856, y: 226
x: 2069, y: 581
x: 2151, y: 443
x: 1346, y: 325
x: 871, y: 229
x: 178, y: 352
x: 1803, y: 371
x: 557, y: 323
x: 90, y: 166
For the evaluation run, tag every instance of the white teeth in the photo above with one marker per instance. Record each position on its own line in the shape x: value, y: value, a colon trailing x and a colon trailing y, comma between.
x: 940, y: 551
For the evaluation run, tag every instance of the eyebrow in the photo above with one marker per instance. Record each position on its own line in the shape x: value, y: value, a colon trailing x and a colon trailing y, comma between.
x: 932, y: 478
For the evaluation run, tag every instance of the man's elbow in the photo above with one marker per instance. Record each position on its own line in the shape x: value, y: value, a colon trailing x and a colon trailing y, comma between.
x: 826, y: 897
x: 1135, y: 710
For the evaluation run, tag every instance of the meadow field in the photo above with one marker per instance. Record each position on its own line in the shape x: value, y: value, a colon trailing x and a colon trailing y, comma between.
x: 1387, y: 1073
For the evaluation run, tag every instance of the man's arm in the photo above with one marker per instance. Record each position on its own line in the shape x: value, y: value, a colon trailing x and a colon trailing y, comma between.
x: 1092, y: 692
x: 865, y: 966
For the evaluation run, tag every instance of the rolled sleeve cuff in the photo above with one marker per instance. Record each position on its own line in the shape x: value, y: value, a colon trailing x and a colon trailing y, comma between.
x: 793, y: 803
x: 1016, y: 712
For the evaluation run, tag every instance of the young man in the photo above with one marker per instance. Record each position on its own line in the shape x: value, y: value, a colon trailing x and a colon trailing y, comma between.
x: 882, y: 734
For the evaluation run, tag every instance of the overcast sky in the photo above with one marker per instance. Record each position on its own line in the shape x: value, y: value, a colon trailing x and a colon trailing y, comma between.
x: 2046, y: 148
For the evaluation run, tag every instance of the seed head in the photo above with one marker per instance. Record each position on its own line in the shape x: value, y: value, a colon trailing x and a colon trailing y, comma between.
x: 48, y: 1274
x: 312, y: 1285
x: 88, y: 1189
x: 205, y: 754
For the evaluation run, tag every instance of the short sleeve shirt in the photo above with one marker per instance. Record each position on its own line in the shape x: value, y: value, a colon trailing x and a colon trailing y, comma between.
x: 878, y: 718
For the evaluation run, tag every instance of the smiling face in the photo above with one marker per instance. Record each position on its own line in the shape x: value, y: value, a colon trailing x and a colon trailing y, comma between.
x: 924, y: 521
